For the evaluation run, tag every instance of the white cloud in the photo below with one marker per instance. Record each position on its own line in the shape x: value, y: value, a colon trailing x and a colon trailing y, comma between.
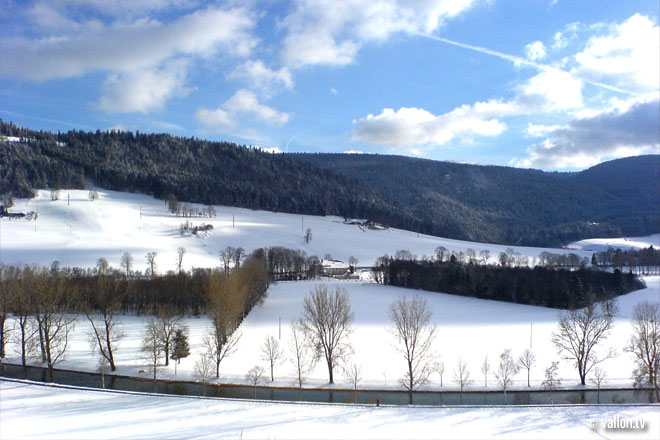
x: 331, y: 32
x: 617, y: 132
x: 551, y: 90
x: 409, y: 127
x: 116, y: 7
x: 539, y: 130
x: 261, y: 77
x: 242, y: 103
x: 143, y: 90
x: 333, y: 91
x: 127, y: 46
x: 535, y: 51
x: 215, y: 118
x: 245, y: 101
x: 627, y: 57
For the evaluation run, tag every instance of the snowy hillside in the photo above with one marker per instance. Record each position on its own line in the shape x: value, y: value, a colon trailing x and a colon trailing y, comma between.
x: 77, y: 232
x: 625, y: 243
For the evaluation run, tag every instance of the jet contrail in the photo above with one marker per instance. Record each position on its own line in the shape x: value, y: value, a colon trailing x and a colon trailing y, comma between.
x: 518, y: 60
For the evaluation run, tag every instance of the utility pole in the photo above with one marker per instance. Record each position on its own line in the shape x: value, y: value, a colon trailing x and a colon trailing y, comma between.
x: 302, y: 223
x: 68, y: 199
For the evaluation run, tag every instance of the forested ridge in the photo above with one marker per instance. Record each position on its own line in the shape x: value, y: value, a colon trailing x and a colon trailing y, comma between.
x: 511, y: 205
x: 479, y: 203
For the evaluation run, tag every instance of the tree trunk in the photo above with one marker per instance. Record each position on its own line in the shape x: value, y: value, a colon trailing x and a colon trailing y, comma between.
x: 272, y: 377
x: 167, y: 353
x: 111, y: 358
x: 2, y: 339
x: 330, y: 372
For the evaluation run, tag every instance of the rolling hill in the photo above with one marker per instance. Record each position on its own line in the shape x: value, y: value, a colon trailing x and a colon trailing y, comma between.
x: 468, y: 202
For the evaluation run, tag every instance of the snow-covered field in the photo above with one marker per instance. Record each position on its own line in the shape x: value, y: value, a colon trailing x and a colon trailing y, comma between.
x: 624, y: 243
x: 77, y: 232
x: 468, y: 328
x: 34, y: 411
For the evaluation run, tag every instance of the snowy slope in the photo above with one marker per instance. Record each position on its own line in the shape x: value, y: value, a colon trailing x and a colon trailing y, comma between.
x: 625, y: 243
x: 77, y: 232
x: 79, y: 413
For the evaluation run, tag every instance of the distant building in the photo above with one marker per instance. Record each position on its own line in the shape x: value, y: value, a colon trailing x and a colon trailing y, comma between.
x: 334, y: 267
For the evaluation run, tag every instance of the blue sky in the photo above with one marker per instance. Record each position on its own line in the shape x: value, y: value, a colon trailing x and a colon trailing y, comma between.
x: 549, y: 84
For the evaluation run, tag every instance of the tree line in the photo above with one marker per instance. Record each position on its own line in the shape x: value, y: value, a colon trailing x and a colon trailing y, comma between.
x: 44, y: 303
x: 640, y: 261
x: 541, y: 286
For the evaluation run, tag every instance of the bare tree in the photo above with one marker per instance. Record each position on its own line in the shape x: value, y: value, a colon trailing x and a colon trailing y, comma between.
x: 151, y: 261
x: 102, y: 367
x: 353, y: 373
x: 101, y: 312
x: 180, y: 252
x: 462, y: 376
x: 352, y: 261
x: 579, y: 333
x: 226, y: 257
x: 54, y: 194
x: 50, y: 303
x: 19, y: 284
x: 152, y: 347
x: 220, y: 345
x: 440, y: 253
x: 471, y: 255
x: 551, y: 381
x: 439, y: 367
x: 527, y: 360
x: 485, y: 367
x: 644, y: 345
x: 272, y: 353
x: 412, y: 327
x: 204, y: 369
x: 8, y: 282
x: 597, y: 378
x: 239, y: 254
x: 127, y: 263
x: 484, y: 255
x: 93, y: 194
x: 168, y: 323
x: 327, y: 319
x: 303, y: 354
x: 255, y: 376
x: 308, y: 235
x: 506, y: 369
x: 102, y: 266
x: 404, y: 255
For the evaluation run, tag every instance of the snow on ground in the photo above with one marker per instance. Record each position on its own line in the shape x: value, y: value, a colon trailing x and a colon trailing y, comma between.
x: 77, y: 232
x: 624, y: 243
x: 469, y: 328
x: 37, y: 411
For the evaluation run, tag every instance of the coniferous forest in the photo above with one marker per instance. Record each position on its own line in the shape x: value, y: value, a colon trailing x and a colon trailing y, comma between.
x: 478, y: 203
